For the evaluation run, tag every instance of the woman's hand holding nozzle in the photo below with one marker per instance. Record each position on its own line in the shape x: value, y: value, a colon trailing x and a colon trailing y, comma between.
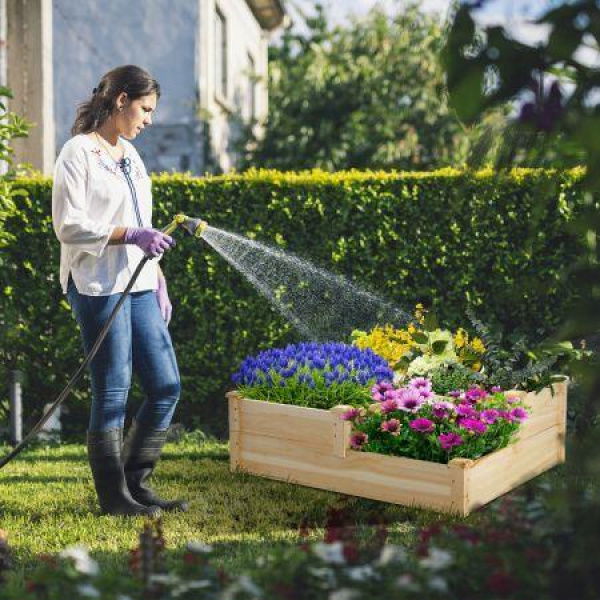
x: 150, y: 241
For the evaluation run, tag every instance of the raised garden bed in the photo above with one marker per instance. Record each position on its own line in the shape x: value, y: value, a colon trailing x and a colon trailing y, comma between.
x: 311, y: 447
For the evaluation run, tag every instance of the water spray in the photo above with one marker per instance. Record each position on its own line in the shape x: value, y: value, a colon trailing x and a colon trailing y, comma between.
x: 192, y: 226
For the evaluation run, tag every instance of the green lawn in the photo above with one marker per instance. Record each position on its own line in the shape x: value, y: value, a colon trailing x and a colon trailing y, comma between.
x: 47, y: 502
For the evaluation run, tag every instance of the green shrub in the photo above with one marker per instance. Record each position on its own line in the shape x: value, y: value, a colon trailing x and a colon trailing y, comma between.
x: 450, y: 239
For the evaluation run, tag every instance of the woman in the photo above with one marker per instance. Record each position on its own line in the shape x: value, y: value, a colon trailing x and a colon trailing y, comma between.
x: 102, y: 214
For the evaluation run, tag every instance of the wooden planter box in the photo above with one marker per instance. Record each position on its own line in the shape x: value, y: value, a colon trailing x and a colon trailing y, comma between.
x: 310, y: 447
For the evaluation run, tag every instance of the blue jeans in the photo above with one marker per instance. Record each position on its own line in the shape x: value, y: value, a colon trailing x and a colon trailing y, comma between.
x: 138, y: 340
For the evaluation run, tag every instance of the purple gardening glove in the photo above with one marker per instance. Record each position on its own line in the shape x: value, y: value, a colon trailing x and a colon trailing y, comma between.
x: 151, y: 241
x: 166, y: 308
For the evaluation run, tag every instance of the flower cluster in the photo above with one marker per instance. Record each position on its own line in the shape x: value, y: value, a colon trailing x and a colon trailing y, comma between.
x: 412, y: 421
x: 312, y: 374
x: 422, y: 347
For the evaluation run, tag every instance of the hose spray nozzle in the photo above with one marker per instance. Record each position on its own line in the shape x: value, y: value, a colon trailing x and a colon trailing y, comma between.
x: 190, y: 225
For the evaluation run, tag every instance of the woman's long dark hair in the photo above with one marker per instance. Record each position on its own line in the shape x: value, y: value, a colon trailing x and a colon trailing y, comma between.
x: 130, y: 79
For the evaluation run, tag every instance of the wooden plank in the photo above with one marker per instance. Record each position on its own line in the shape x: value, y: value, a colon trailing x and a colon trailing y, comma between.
x: 370, y: 475
x: 460, y: 472
x: 342, y: 430
x: 234, y: 431
x: 503, y: 470
x: 309, y: 427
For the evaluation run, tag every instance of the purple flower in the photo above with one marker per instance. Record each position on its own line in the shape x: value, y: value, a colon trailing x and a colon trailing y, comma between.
x: 441, y: 410
x: 410, y: 400
x: 420, y: 383
x: 454, y: 394
x: 358, y: 439
x: 379, y: 389
x: 496, y: 389
x: 422, y: 425
x: 388, y: 406
x: 489, y: 415
x: 475, y: 394
x: 473, y: 425
x: 518, y: 414
x: 465, y: 410
x: 391, y: 426
x: 449, y: 440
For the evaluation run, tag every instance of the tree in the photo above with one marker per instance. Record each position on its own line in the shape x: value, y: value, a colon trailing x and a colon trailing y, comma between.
x: 364, y: 95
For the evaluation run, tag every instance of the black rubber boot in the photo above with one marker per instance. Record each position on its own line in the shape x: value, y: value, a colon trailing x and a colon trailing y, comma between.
x: 104, y: 454
x: 141, y: 452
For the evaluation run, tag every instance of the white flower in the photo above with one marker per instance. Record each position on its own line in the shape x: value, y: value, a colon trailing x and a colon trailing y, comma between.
x: 199, y: 547
x: 83, y: 562
x: 330, y: 553
x: 247, y: 585
x: 438, y: 584
x: 87, y: 590
x: 325, y: 573
x: 391, y: 553
x: 344, y: 594
x: 422, y: 365
x: 360, y: 573
x: 406, y: 582
x: 165, y: 579
x: 437, y: 559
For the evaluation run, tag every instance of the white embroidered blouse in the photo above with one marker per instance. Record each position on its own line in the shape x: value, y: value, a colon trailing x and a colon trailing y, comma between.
x: 91, y: 195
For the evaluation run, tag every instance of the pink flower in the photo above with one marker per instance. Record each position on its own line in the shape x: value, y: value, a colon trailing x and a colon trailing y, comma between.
x: 449, y: 440
x: 391, y: 426
x: 410, y: 400
x: 454, y: 394
x: 473, y: 425
x: 475, y: 394
x: 352, y: 414
x: 358, y: 439
x: 420, y: 383
x: 465, y: 410
x: 422, y: 425
x: 505, y: 414
x: 441, y: 410
x: 496, y: 389
x: 426, y: 394
x: 489, y: 415
x: 518, y: 414
x: 512, y: 399
x: 388, y: 406
x: 379, y: 389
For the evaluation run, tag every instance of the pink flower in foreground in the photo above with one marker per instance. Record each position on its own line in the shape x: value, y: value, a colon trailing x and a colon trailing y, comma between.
x: 465, y: 410
x: 473, y: 425
x: 518, y: 414
x: 352, y: 414
x: 379, y: 389
x: 420, y: 383
x: 475, y: 394
x: 422, y: 425
x: 388, y: 406
x: 449, y: 440
x: 358, y: 439
x: 410, y: 400
x: 441, y: 410
x: 391, y: 426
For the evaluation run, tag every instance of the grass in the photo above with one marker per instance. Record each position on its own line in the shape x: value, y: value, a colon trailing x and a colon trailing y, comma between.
x: 47, y: 502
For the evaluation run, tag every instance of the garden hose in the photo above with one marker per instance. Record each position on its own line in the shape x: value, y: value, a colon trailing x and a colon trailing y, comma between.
x: 192, y: 226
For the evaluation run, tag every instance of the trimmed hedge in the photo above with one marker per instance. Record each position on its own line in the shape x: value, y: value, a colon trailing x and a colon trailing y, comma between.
x: 448, y: 238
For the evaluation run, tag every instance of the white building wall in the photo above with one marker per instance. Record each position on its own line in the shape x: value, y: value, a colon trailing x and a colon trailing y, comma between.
x: 174, y: 40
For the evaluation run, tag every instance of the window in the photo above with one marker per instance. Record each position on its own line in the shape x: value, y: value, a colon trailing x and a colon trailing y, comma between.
x: 220, y: 55
x: 251, y: 88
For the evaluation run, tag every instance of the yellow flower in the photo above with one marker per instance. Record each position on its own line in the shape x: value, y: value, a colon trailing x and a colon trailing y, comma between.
x: 461, y: 337
x: 391, y: 344
x: 478, y: 346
